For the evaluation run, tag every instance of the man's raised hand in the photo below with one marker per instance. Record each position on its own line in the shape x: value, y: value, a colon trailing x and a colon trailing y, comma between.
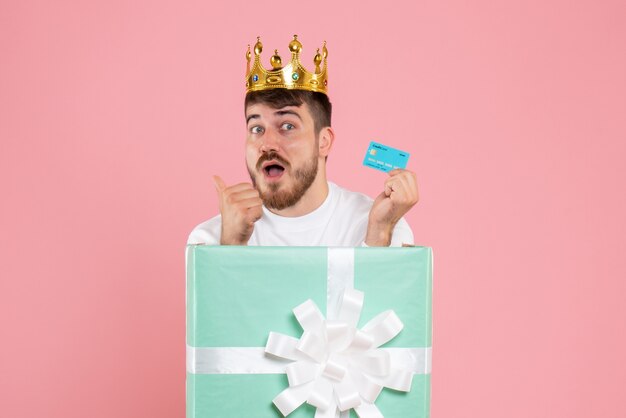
x: 400, y: 195
x: 241, y: 207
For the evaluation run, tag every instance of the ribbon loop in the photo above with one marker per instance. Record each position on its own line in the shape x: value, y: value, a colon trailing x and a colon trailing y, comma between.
x: 368, y: 389
x: 281, y: 345
x: 321, y: 396
x: 383, y: 327
x: 301, y: 372
x: 309, y: 316
x: 312, y: 345
x: 361, y: 341
x: 291, y: 398
x: 335, y: 368
x: 351, y: 306
x: 347, y: 395
x: 339, y: 335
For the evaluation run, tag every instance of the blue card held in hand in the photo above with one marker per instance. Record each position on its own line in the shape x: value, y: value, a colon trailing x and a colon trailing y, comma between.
x: 384, y: 158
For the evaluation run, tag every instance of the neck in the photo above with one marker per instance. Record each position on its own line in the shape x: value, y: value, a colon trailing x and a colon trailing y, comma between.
x: 312, y: 198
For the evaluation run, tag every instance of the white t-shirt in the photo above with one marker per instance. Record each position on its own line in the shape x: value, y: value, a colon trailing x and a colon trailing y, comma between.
x: 341, y: 221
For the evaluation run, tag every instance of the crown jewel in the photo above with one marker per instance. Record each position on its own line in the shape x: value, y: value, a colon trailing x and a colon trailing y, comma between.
x: 291, y: 76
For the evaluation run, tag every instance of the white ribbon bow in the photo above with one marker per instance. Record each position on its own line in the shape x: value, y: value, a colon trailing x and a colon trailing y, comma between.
x: 335, y: 365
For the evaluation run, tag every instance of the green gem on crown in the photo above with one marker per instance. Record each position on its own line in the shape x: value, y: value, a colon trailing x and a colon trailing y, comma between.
x: 295, y: 76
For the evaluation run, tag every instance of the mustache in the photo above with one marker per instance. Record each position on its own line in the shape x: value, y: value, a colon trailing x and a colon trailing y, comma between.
x: 272, y: 155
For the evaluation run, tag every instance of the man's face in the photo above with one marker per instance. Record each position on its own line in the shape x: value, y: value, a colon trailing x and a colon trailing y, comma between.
x: 281, y: 153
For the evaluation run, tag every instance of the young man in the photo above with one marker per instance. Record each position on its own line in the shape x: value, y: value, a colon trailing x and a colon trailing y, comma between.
x: 289, y: 200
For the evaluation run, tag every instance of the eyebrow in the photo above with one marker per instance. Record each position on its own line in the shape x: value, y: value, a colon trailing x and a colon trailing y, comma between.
x: 287, y: 112
x: 278, y: 112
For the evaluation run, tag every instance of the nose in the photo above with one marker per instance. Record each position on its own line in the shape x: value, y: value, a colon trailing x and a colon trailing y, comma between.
x: 269, y: 141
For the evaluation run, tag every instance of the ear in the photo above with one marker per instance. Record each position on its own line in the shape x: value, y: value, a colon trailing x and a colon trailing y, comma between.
x: 327, y: 137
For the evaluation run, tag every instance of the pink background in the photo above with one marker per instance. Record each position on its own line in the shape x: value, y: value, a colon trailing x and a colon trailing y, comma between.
x: 113, y: 116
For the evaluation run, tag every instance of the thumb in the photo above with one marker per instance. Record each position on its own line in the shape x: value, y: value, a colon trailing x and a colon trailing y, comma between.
x: 219, y: 184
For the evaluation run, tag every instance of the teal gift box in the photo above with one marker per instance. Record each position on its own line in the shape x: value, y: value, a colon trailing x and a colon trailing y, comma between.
x: 236, y: 296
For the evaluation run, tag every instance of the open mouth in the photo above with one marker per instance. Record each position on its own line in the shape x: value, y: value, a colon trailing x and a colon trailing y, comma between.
x: 273, y: 170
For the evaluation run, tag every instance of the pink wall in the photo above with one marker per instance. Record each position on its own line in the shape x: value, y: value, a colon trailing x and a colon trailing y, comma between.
x: 113, y: 116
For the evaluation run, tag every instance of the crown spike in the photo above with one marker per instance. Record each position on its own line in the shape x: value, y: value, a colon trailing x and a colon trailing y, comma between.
x: 295, y: 46
x: 276, y: 61
x: 258, y: 47
x: 317, y: 60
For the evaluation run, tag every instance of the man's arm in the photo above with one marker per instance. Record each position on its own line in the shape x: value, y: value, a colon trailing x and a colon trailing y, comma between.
x: 399, y: 195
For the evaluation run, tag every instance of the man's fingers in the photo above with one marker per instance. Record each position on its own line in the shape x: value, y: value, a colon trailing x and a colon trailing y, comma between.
x: 393, y: 177
x: 403, y: 184
x: 391, y: 185
x: 221, y: 186
x: 240, y: 187
x: 250, y: 203
x: 388, y: 188
x: 411, y: 180
x: 237, y: 196
x: 406, y: 194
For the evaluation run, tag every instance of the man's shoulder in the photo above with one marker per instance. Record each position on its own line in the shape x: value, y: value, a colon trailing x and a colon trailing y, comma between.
x: 346, y: 196
x: 208, y: 232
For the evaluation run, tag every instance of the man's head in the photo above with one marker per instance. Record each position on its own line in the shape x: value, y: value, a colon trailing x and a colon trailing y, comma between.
x: 288, y: 140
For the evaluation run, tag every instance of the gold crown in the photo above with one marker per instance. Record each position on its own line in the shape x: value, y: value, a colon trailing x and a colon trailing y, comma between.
x: 291, y: 76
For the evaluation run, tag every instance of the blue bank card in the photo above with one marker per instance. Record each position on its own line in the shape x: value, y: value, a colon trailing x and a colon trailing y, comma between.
x: 384, y: 158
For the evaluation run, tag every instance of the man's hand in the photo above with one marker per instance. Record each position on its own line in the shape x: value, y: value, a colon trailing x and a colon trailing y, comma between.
x: 399, y: 196
x: 241, y: 207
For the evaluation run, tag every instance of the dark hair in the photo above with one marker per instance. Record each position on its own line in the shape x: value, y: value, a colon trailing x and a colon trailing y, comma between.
x: 320, y: 106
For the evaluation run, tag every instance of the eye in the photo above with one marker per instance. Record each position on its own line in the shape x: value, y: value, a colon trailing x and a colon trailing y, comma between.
x: 287, y: 126
x: 256, y: 129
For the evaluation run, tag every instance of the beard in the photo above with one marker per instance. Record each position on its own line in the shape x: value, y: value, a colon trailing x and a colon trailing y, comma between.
x: 275, y: 198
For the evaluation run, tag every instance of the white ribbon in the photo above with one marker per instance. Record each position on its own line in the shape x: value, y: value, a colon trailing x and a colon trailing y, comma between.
x: 253, y: 360
x: 335, y: 366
